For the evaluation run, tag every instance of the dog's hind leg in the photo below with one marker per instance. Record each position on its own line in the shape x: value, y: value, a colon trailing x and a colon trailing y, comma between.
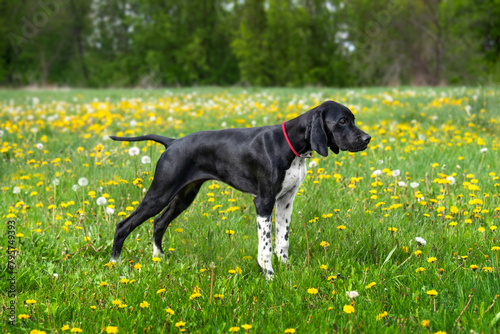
x: 178, y: 204
x: 155, y: 200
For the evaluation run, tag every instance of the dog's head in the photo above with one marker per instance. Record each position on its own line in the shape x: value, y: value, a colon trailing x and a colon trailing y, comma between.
x: 332, y: 126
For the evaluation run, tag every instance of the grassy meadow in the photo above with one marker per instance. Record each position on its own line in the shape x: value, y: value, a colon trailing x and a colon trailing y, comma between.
x: 431, y: 172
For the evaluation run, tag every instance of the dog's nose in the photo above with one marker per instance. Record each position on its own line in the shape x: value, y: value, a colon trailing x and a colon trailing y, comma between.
x: 366, y: 138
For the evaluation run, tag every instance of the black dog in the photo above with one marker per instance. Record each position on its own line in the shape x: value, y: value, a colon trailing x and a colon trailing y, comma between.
x: 267, y: 162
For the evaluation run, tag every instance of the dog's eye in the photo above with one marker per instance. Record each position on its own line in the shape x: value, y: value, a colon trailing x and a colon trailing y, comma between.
x: 342, y: 121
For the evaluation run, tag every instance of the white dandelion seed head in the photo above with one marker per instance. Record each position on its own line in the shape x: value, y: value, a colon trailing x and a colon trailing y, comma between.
x: 83, y: 182
x: 483, y: 150
x: 420, y: 199
x: 396, y: 172
x: 414, y: 185
x: 421, y: 137
x: 55, y: 182
x: 75, y: 187
x: 39, y: 146
x: 146, y: 160
x: 352, y: 294
x: 101, y: 201
x: 133, y: 151
x: 458, y: 166
x: 16, y: 190
x: 381, y: 162
x: 132, y: 123
x: 110, y: 211
x: 144, y: 190
x: 401, y: 184
x: 224, y: 124
x: 56, y: 275
x: 1, y: 133
x: 34, y: 130
x: 451, y: 179
x: 377, y: 172
x: 421, y: 241
x: 152, y: 119
x: 313, y: 164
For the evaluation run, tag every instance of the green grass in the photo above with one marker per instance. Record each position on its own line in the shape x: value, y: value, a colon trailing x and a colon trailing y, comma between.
x: 412, y: 129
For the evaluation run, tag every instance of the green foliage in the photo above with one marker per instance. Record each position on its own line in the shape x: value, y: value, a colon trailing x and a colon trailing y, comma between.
x: 152, y: 43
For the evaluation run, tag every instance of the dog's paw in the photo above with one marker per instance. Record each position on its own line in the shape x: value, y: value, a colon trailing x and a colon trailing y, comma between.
x: 268, y: 272
x: 269, y: 275
x: 115, y: 260
x: 157, y: 251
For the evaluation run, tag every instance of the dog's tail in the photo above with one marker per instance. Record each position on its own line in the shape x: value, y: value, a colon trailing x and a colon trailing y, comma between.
x: 159, y: 139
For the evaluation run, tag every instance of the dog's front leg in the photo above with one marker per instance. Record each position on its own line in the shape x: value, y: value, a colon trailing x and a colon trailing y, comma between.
x: 265, y: 253
x: 284, y: 207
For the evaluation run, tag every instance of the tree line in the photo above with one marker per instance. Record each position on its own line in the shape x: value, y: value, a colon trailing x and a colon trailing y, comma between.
x: 153, y: 43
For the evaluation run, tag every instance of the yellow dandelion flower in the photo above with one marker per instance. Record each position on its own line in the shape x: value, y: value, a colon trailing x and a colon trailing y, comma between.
x: 432, y: 293
x: 348, y: 309
x: 111, y: 329
x: 381, y: 316
x: 369, y: 286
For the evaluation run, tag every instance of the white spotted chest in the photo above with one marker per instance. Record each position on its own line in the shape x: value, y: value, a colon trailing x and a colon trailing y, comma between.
x: 294, y: 177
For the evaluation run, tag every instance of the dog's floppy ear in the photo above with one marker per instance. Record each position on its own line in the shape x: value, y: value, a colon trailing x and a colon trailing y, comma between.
x: 317, y: 137
x: 335, y: 149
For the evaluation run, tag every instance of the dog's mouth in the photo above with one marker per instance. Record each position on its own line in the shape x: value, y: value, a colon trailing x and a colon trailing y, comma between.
x: 356, y: 149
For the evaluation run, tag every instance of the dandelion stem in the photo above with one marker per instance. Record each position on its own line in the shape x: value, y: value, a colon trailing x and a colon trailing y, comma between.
x: 135, y: 164
x: 211, y: 285
x: 307, y: 239
x: 353, y: 320
x: 466, y: 305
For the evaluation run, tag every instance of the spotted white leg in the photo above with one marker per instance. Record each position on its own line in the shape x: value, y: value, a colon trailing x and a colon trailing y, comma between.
x: 284, y: 207
x: 264, y: 225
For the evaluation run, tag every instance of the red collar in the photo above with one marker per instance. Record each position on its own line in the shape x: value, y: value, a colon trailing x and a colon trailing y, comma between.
x: 288, y: 140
